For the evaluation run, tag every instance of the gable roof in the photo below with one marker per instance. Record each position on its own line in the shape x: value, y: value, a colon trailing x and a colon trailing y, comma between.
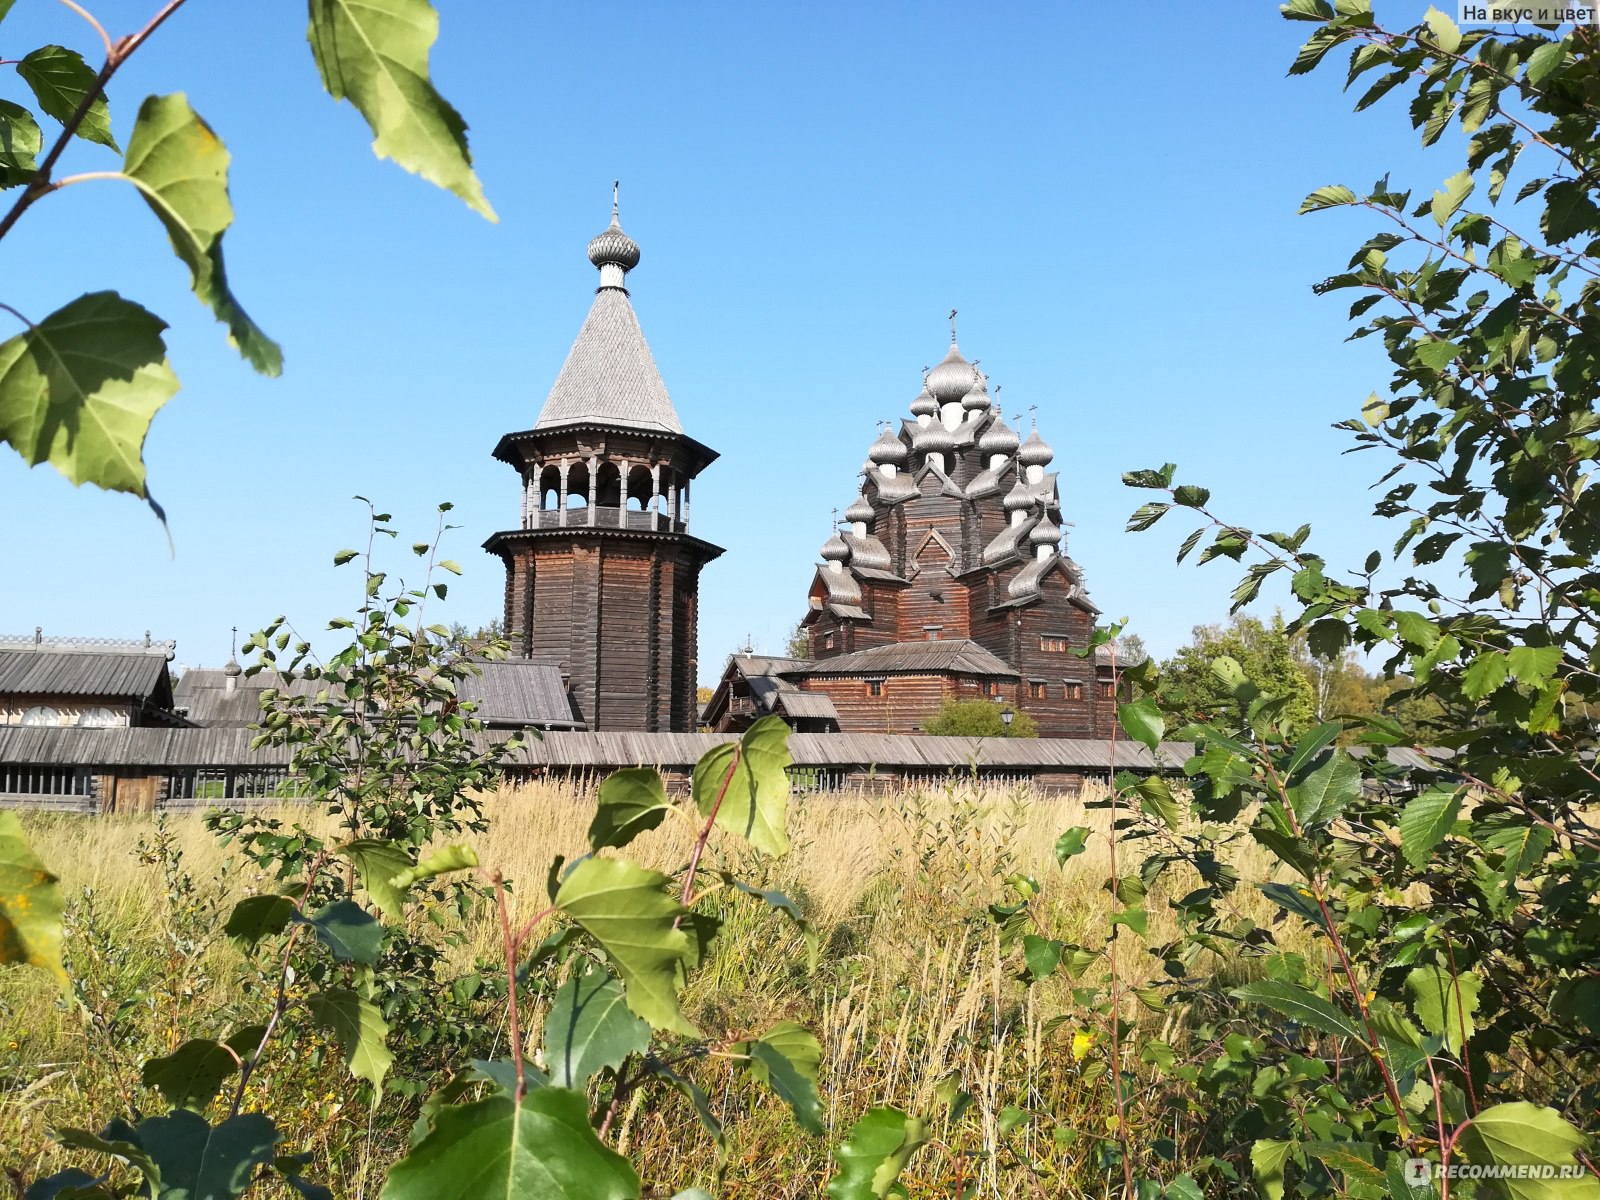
x: 610, y: 377
x: 83, y: 670
x: 940, y: 656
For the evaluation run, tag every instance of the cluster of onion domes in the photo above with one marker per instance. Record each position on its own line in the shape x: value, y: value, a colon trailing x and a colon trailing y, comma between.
x: 895, y: 464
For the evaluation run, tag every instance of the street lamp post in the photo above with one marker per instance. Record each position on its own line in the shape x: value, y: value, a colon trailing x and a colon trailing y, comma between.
x: 1006, y: 717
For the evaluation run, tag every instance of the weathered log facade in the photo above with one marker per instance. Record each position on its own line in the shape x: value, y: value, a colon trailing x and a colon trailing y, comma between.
x: 603, y: 576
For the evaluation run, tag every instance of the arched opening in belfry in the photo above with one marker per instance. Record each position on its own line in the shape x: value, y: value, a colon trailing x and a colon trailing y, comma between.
x: 641, y: 486
x: 608, y: 485
x: 550, y: 487
x: 578, y: 485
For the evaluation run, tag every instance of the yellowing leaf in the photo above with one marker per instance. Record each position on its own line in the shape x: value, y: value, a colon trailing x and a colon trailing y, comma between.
x: 374, y: 53
x: 79, y: 389
x: 30, y: 904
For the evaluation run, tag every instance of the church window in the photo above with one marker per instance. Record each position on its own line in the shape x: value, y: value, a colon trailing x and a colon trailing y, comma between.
x: 874, y: 687
x: 827, y: 641
x: 1052, y: 643
x: 1074, y: 691
x: 986, y: 686
x: 931, y: 632
x: 1105, y: 690
x: 1036, y: 690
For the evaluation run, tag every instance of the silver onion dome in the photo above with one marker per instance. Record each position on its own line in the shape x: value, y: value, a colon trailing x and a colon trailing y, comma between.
x: 1018, y: 499
x: 1045, y: 533
x: 888, y: 449
x: 952, y: 378
x: 977, y: 397
x: 861, y: 510
x: 924, y: 405
x: 933, y: 439
x: 1035, y: 451
x: 233, y: 669
x: 613, y: 248
x: 998, y: 439
x: 834, y: 549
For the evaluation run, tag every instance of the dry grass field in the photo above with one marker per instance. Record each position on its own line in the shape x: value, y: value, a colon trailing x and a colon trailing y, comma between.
x: 909, y: 993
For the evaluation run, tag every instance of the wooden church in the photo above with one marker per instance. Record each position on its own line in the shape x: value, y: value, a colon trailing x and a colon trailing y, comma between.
x: 948, y: 580
x: 603, y: 575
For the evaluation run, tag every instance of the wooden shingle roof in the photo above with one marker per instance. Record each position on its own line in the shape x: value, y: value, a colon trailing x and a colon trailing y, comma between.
x: 936, y: 657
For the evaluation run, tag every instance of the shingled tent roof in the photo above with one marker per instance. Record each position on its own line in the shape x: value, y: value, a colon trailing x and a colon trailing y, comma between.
x: 936, y: 657
x: 610, y: 376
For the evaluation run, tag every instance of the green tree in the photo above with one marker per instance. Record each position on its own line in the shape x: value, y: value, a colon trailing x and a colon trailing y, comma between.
x: 978, y: 718
x: 799, y: 644
x: 1189, y: 688
x: 1467, y: 1028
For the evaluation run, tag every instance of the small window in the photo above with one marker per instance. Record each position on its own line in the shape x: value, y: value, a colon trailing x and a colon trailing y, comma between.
x: 874, y: 687
x: 41, y: 714
x: 1074, y: 691
x: 1036, y: 691
x: 1105, y: 690
x: 986, y: 686
x: 1053, y: 644
x: 931, y: 632
x: 827, y: 641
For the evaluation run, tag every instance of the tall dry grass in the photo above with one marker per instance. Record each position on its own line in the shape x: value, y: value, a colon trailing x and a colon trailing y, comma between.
x: 910, y: 997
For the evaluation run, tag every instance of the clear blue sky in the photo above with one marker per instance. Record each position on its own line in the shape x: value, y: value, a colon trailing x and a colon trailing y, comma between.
x: 1109, y: 202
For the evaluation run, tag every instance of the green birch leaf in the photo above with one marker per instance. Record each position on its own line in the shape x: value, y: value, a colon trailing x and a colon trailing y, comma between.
x: 1446, y: 34
x: 374, y: 53
x: 1143, y: 722
x: 1312, y: 744
x: 1302, y: 1005
x: 207, y: 1162
x: 438, y: 862
x: 30, y: 904
x: 1156, y: 799
x: 20, y: 144
x: 191, y: 1076
x: 1425, y: 820
x: 1267, y: 1158
x: 181, y: 168
x: 589, y: 1029
x: 1322, y: 794
x: 79, y: 389
x: 543, y: 1148
x: 1485, y: 674
x: 1533, y: 665
x: 60, y: 80
x: 377, y: 862
x: 870, y: 1160
x: 628, y: 910
x: 631, y: 801
x: 1447, y: 203
x: 360, y: 1030
x: 754, y: 790
x: 1071, y: 843
x: 786, y: 1058
x: 1520, y: 1133
x: 1444, y: 1005
x: 256, y: 917
x: 348, y: 930
x: 1546, y: 59
x: 1333, y: 196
